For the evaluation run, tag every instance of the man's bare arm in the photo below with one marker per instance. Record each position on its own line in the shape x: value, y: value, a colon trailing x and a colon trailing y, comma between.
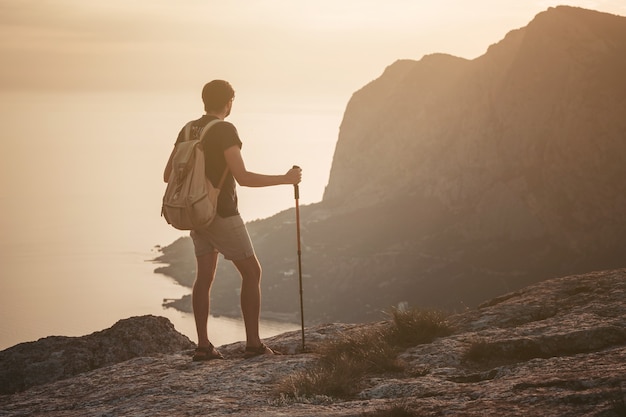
x: 252, y: 179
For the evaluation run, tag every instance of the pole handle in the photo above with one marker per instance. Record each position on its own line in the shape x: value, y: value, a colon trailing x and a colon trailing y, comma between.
x: 296, y: 189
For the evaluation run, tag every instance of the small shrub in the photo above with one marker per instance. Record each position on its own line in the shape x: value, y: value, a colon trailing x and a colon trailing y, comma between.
x: 346, y: 360
x: 343, y: 364
x: 336, y: 382
x: 415, y: 327
x: 369, y: 350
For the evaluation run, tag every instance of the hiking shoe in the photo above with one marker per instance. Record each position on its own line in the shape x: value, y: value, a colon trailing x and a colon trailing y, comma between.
x: 206, y: 353
x: 251, y: 352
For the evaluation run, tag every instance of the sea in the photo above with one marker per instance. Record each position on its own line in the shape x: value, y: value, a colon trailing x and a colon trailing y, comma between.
x: 80, y: 193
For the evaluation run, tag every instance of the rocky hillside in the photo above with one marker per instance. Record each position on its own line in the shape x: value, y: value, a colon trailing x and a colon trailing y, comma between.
x: 557, y: 348
x: 454, y: 180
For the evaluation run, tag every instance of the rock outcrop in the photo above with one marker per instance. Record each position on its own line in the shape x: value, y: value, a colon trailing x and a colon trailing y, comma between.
x: 58, y: 357
x: 557, y: 348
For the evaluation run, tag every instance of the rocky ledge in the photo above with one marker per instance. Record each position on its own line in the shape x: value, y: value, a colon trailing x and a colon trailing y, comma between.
x: 557, y: 348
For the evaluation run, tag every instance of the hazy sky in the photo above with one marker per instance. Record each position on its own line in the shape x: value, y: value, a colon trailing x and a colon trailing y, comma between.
x: 283, y: 46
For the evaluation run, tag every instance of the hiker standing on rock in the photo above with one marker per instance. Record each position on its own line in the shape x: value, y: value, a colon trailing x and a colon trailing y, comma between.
x: 227, y: 234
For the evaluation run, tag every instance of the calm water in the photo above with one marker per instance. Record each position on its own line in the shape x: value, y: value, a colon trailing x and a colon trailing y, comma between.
x: 81, y: 185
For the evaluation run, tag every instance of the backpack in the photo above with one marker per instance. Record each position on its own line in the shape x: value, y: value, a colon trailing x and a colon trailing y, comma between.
x: 190, y: 200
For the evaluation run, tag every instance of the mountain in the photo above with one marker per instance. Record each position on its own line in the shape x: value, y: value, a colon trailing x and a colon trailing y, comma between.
x: 455, y: 180
x: 557, y: 348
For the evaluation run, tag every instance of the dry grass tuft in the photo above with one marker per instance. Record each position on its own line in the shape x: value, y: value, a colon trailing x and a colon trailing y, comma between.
x: 416, y: 327
x: 345, y: 361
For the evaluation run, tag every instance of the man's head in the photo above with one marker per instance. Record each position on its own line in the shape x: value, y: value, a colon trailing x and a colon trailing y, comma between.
x: 216, y: 95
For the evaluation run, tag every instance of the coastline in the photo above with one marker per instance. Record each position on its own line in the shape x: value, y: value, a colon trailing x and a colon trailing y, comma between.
x: 178, y: 263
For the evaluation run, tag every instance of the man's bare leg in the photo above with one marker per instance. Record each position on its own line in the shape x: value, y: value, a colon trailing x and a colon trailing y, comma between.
x: 250, y: 271
x: 200, y: 296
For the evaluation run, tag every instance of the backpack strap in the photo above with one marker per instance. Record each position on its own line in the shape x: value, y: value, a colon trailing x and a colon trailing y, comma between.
x: 209, y: 125
x: 205, y: 129
x: 186, y: 131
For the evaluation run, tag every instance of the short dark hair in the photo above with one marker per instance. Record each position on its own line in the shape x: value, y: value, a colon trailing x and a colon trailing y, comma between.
x: 216, y: 94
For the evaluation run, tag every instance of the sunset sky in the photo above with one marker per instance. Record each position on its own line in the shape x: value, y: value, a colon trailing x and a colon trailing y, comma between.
x: 283, y: 47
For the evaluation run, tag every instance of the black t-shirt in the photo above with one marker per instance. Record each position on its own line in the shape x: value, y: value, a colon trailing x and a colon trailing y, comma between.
x: 220, y: 137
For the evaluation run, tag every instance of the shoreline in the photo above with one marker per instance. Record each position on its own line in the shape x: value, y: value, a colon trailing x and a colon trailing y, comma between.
x: 183, y: 305
x: 178, y: 263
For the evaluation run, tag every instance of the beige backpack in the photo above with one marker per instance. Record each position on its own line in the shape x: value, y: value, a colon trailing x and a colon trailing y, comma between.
x: 190, y: 200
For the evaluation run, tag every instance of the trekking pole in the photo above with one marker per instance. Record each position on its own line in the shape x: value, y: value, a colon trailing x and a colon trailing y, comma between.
x: 296, y: 191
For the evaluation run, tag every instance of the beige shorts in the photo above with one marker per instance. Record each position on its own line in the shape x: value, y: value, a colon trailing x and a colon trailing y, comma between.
x: 226, y: 235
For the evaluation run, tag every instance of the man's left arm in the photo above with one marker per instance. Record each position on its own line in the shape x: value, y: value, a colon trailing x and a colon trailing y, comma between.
x: 247, y: 178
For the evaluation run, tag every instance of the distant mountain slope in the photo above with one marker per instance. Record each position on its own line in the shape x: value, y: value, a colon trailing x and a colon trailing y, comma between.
x: 454, y: 181
x: 534, y: 129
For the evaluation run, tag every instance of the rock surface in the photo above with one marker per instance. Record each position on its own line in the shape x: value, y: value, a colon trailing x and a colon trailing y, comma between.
x: 58, y: 357
x: 557, y: 348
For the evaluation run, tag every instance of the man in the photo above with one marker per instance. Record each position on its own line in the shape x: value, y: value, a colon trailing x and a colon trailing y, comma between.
x: 227, y: 234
